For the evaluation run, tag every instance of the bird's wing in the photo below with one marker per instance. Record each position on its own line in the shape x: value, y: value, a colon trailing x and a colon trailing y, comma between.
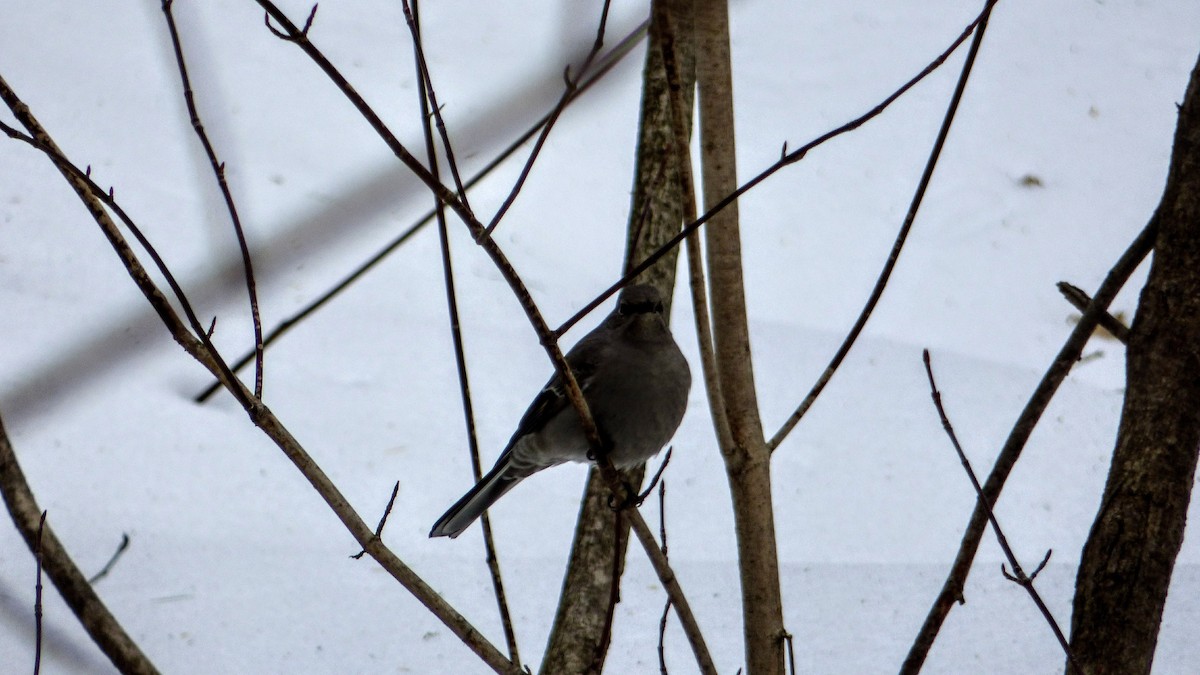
x: 552, y: 399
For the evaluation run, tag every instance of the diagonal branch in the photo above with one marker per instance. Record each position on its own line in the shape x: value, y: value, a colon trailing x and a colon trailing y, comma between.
x: 571, y: 85
x: 1018, y: 575
x: 886, y: 273
x: 71, y: 583
x: 610, y: 59
x: 425, y: 84
x: 218, y: 168
x: 1080, y: 300
x: 952, y: 589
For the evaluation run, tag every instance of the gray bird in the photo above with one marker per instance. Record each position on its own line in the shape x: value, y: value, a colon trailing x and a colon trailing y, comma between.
x: 636, y: 383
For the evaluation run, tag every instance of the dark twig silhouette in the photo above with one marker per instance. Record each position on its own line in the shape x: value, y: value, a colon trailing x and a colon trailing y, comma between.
x: 428, y: 100
x: 952, y: 589
x: 886, y: 273
x: 387, y: 511
x: 218, y: 168
x: 37, y: 599
x: 1077, y: 297
x: 112, y: 561
x: 1018, y: 575
x: 571, y: 86
x: 55, y: 562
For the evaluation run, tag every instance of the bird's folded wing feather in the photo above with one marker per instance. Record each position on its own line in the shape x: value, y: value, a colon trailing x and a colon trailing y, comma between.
x: 552, y: 399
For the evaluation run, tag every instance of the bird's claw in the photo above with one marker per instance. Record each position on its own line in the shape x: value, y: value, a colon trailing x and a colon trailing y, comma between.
x: 627, y: 496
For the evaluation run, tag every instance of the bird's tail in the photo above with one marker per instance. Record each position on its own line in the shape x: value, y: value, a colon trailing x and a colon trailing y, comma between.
x: 467, y: 510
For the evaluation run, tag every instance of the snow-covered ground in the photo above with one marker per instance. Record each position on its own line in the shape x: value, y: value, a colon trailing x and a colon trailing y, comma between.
x: 236, y: 566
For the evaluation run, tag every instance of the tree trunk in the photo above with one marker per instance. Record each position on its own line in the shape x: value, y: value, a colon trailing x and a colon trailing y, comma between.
x: 583, y: 625
x: 747, y: 458
x: 1126, y: 566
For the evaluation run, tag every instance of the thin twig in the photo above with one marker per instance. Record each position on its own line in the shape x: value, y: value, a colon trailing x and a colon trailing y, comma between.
x: 387, y: 511
x: 886, y: 273
x: 198, y: 341
x: 1018, y: 576
x: 606, y: 64
x: 218, y: 168
x: 112, y: 561
x: 56, y: 562
x: 37, y: 599
x: 1077, y: 297
x: 683, y: 610
x: 571, y: 84
x: 657, y: 476
x: 425, y: 85
x: 956, y: 579
x: 312, y: 14
x: 427, y: 99
x: 786, y: 160
x: 662, y: 534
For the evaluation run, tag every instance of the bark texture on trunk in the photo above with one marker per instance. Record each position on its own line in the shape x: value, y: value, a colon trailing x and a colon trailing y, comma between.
x: 1126, y: 566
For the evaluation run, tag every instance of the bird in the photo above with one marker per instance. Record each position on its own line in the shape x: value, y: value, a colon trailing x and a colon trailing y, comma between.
x: 635, y: 381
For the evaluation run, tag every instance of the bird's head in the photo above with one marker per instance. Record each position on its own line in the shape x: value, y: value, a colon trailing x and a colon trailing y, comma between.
x: 640, y: 311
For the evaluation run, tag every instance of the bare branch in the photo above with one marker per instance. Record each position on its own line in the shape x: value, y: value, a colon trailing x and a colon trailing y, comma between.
x: 218, y: 168
x: 886, y: 273
x: 387, y: 511
x: 37, y: 599
x: 654, y: 482
x: 662, y: 534
x: 197, y: 342
x: 425, y: 85
x: 952, y: 589
x: 670, y: 583
x: 259, y: 414
x: 569, y: 93
x: 1080, y: 300
x: 52, y: 556
x: 312, y: 14
x: 1018, y: 576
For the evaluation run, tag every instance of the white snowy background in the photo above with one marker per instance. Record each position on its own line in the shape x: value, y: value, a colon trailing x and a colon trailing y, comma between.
x: 235, y: 565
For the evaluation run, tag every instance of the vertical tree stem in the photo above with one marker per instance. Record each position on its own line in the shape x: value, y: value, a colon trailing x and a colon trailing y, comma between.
x: 748, y: 459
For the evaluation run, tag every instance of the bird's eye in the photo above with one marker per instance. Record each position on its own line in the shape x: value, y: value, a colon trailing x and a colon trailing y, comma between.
x: 628, y: 308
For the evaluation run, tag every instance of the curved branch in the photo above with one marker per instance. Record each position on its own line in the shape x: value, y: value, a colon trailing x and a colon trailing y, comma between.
x: 886, y: 273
